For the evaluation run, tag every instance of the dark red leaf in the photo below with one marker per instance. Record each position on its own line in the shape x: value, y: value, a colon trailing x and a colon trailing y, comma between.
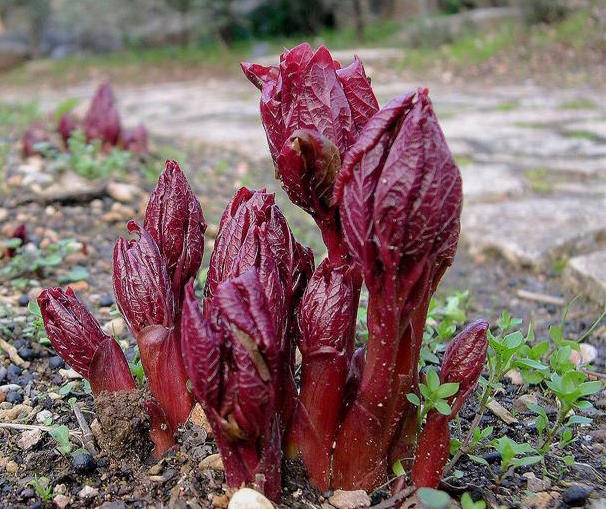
x: 175, y: 221
x: 77, y: 337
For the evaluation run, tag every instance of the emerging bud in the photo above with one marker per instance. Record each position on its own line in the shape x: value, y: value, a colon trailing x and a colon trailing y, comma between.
x: 66, y: 126
x: 141, y: 282
x: 77, y: 337
x: 231, y: 353
x: 102, y: 121
x: 34, y: 135
x: 135, y: 140
x: 175, y: 221
x: 464, y: 361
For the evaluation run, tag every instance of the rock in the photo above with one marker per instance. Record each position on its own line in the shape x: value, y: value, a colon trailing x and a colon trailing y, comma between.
x: 246, y: 498
x: 14, y: 397
x: 70, y: 374
x: 12, y: 467
x: 27, y: 354
x: 112, y: 505
x: 83, y: 463
x: 198, y: 418
x: 30, y: 438
x: 3, y: 373
x: 60, y: 489
x: 501, y: 412
x: 492, y: 457
x: 213, y: 461
x: 157, y: 468
x: 587, y: 275
x: 56, y: 362
x: 106, y: 300
x: 23, y: 300
x: 79, y: 286
x: 67, y: 186
x: 115, y: 327
x: 3, y: 214
x: 576, y: 495
x: 587, y: 354
x: 535, y: 231
x: 220, y: 501
x: 125, y: 193
x: 61, y: 501
x: 118, y: 213
x: 534, y: 484
x: 43, y: 416
x: 541, y: 500
x: 13, y: 372
x: 88, y: 492
x: 521, y: 404
x: 486, y: 183
x: 349, y: 499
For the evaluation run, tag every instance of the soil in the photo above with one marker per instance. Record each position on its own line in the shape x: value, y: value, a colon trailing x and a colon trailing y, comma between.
x: 121, y: 480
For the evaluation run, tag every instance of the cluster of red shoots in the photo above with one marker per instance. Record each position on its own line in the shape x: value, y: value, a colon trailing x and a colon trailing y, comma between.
x: 386, y: 194
x: 101, y: 122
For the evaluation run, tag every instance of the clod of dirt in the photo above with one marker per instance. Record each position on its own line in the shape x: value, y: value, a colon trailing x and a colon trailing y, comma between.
x: 124, y: 423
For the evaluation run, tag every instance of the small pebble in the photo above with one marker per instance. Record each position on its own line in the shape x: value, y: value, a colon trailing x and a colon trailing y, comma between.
x: 27, y: 354
x: 3, y: 373
x: 28, y: 493
x: 106, y: 300
x: 13, y: 372
x: 23, y: 300
x: 61, y: 501
x: 14, y: 397
x: 576, y: 495
x: 43, y: 416
x: 56, y: 362
x: 83, y: 463
x: 19, y: 343
x: 12, y: 467
x: 246, y: 498
x: 88, y: 492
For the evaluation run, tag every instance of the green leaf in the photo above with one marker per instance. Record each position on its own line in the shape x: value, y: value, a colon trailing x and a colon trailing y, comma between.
x: 578, y: 419
x: 13, y: 243
x: 528, y: 460
x: 77, y: 273
x: 433, y: 499
x: 442, y: 406
x: 477, y: 459
x: 446, y: 390
x: 61, y: 435
x: 433, y: 380
x: 398, y: 469
x: 424, y: 391
x: 589, y: 388
x: 468, y: 503
x: 413, y: 398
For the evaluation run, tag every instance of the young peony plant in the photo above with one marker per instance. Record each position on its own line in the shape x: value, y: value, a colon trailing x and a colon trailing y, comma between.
x: 386, y: 194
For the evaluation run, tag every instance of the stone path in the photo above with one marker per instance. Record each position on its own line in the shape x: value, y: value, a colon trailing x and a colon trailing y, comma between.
x: 533, y: 160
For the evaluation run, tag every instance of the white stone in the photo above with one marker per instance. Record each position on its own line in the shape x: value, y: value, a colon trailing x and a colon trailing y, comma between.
x: 122, y: 192
x: 350, y: 499
x: 247, y: 498
x: 535, y: 231
x: 30, y: 438
x: 61, y: 501
x: 486, y: 183
x: 88, y: 492
x: 587, y: 275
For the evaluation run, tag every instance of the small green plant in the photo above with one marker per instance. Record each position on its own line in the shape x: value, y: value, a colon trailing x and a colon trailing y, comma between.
x: 433, y: 499
x: 60, y: 435
x: 434, y: 394
x: 87, y: 159
x: 35, y: 326
x: 443, y: 318
x: 468, y: 503
x: 34, y: 260
x: 42, y: 487
x: 513, y: 455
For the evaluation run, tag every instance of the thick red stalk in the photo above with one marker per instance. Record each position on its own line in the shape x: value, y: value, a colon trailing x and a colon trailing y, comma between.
x: 433, y: 450
x: 163, y: 366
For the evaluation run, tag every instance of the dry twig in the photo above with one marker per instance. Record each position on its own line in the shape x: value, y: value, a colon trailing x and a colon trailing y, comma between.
x: 87, y: 434
x: 12, y: 354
